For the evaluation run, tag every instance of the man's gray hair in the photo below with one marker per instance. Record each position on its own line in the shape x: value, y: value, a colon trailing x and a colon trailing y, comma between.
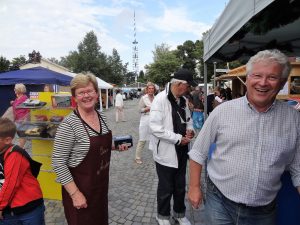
x: 273, y: 55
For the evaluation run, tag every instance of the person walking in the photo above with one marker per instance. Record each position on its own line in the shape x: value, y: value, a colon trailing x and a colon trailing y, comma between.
x: 81, y: 156
x: 119, y: 104
x: 20, y: 114
x: 171, y: 132
x: 257, y: 138
x: 144, y: 106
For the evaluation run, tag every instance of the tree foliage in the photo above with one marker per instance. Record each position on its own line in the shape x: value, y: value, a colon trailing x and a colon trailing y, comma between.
x: 165, y: 63
x: 89, y: 58
x: 141, y: 77
x: 116, y: 69
x: 17, y: 62
x: 4, y: 64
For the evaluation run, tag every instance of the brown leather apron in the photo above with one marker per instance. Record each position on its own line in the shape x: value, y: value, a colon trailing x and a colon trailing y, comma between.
x: 91, y: 177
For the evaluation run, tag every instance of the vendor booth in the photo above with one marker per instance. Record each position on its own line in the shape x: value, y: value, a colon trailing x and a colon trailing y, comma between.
x: 243, y: 29
x: 47, y: 109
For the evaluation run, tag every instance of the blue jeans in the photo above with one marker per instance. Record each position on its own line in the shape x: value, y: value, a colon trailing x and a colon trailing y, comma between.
x: 34, y: 217
x: 220, y: 210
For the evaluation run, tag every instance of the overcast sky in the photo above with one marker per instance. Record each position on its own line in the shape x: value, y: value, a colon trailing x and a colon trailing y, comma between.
x: 55, y: 27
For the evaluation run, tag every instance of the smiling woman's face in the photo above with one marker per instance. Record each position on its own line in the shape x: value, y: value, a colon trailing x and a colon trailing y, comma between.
x: 86, y: 97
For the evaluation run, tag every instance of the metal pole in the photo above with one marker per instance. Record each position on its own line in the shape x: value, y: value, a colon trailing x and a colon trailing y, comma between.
x: 215, y: 73
x: 205, y: 91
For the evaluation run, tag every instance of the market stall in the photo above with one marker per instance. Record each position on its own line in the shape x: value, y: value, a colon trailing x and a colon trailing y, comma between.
x: 47, y: 109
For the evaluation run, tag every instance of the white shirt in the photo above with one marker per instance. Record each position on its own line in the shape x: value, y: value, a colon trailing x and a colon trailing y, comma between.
x: 119, y: 100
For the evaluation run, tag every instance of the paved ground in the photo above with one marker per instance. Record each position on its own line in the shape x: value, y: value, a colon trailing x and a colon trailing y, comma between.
x: 132, y: 189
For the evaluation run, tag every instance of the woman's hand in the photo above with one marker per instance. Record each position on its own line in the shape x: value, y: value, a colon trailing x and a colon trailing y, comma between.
x: 120, y: 148
x: 123, y: 147
x: 79, y: 200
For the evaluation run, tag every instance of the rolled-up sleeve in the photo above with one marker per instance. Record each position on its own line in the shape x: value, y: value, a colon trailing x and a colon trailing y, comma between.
x: 63, y: 145
x: 200, y: 149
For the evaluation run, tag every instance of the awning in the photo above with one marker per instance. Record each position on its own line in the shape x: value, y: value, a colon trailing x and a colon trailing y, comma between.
x: 36, y: 75
x: 246, y: 27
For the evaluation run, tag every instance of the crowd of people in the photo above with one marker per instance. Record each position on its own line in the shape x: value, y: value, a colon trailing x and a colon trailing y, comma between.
x: 253, y: 147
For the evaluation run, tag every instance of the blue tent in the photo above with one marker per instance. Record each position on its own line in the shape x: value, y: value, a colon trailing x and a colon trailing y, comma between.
x: 33, y: 78
x: 36, y: 75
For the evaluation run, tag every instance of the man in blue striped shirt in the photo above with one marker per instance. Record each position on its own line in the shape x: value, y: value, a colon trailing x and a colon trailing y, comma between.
x: 257, y: 138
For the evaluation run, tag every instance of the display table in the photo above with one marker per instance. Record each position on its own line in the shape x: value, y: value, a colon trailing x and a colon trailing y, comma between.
x: 42, y: 144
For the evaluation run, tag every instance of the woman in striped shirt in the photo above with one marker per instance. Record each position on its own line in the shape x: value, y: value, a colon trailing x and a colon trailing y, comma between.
x: 81, y: 156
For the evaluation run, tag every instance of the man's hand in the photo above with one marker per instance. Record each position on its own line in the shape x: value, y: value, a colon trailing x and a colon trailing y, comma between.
x: 298, y: 189
x: 189, y: 134
x: 195, y: 197
x: 1, y: 216
x: 185, y: 141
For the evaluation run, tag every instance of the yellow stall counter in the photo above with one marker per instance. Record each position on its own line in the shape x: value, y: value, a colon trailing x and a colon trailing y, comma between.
x: 42, y: 148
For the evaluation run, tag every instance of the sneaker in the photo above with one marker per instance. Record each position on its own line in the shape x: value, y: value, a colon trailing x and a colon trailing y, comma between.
x: 183, y: 221
x: 163, y: 221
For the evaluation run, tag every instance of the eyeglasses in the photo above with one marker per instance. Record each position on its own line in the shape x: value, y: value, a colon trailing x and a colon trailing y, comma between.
x: 89, y: 93
x: 271, y: 78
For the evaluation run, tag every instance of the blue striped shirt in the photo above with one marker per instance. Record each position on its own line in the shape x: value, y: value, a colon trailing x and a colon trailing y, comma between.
x: 252, y: 150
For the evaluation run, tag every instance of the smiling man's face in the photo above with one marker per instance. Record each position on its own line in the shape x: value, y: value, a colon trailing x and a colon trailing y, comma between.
x: 263, y: 84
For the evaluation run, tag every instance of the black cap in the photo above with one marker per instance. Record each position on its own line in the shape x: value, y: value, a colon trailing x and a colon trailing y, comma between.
x: 185, y: 74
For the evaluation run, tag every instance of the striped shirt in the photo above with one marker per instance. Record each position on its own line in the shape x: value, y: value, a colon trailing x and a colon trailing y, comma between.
x: 252, y: 150
x: 71, y: 145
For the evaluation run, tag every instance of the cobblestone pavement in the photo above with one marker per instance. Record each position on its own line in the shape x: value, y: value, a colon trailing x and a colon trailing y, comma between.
x: 132, y: 188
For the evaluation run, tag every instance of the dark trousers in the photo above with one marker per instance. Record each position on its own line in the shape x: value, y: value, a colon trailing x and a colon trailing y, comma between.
x: 171, y: 182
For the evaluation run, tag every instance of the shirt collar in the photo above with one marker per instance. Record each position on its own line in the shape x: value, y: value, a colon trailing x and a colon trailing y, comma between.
x: 245, y: 99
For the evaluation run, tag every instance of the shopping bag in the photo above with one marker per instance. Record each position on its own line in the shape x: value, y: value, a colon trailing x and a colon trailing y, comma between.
x: 9, y: 114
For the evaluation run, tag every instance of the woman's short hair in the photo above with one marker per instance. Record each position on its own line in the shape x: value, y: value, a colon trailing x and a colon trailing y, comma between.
x: 273, y: 55
x: 20, y: 88
x: 82, y: 80
x: 150, y: 84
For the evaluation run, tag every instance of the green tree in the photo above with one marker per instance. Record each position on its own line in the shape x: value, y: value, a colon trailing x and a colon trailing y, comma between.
x: 129, y: 77
x: 4, y: 64
x: 117, y: 69
x: 141, y: 77
x: 54, y: 60
x: 17, y: 62
x: 89, y: 54
x: 89, y: 58
x: 165, y: 63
